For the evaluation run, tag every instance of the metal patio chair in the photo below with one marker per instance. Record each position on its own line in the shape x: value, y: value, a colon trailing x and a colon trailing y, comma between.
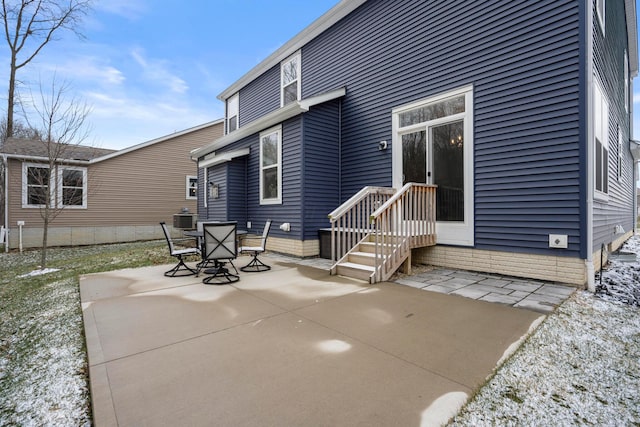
x: 181, y: 269
x: 255, y: 265
x: 220, y: 248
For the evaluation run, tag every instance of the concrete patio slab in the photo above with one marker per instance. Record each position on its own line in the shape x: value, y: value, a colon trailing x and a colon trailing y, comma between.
x: 291, y: 346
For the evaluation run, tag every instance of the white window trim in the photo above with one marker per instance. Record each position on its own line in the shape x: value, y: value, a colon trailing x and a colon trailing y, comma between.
x: 278, y: 199
x: 60, y: 171
x: 601, y: 110
x: 55, y: 188
x: 233, y: 106
x: 25, y: 174
x: 188, y: 182
x: 298, y: 73
x: 461, y: 233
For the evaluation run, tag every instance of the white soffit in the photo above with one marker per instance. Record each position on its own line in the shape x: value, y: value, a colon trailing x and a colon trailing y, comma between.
x: 632, y: 35
x: 223, y: 157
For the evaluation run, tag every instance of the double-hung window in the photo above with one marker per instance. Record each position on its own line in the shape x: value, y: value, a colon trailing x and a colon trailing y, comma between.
x: 35, y: 190
x: 232, y: 113
x: 72, y: 192
x: 290, y: 79
x: 601, y: 142
x: 271, y: 166
x: 65, y: 187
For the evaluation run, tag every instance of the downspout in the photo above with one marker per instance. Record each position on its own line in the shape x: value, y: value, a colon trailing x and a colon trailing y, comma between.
x: 590, y: 116
x: 340, y: 152
x: 5, y: 164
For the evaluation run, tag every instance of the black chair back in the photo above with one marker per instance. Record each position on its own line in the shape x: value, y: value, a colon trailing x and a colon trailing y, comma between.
x: 220, y: 241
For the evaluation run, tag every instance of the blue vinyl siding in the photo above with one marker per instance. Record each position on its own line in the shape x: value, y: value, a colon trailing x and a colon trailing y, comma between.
x: 320, y: 166
x: 217, y: 208
x: 608, y: 64
x: 260, y: 97
x: 244, y: 184
x: 523, y: 60
x: 237, y: 189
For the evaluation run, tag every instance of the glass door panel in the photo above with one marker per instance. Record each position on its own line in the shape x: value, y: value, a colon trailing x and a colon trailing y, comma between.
x: 414, y: 157
x: 447, y: 146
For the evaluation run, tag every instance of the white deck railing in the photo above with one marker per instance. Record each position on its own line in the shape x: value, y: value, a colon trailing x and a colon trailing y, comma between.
x: 350, y: 222
x: 405, y: 221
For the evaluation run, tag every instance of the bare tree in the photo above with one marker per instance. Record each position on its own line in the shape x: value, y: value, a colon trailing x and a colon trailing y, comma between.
x: 56, y: 184
x: 29, y: 25
x: 20, y: 130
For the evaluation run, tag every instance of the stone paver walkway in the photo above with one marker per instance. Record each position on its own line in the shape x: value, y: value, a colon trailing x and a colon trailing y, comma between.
x: 534, y: 295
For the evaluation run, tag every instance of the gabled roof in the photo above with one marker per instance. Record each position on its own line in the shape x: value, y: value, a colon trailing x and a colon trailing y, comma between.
x: 157, y: 140
x: 38, y: 150
x: 345, y: 7
x: 317, y: 27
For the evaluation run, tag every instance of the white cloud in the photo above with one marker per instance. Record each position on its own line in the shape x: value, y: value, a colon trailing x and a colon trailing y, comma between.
x: 130, y: 9
x: 157, y: 71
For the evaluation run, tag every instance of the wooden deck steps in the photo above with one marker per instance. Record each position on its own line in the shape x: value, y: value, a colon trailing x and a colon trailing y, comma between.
x: 385, y: 222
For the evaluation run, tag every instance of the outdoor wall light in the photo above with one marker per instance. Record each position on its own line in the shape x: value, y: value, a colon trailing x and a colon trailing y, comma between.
x: 214, y: 190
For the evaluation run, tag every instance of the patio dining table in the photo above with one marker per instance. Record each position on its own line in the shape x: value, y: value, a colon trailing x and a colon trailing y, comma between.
x: 199, y: 235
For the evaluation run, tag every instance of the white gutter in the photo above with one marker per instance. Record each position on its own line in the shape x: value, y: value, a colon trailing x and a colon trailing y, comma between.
x: 632, y: 36
x: 223, y: 157
x: 590, y: 149
x: 278, y: 116
x: 46, y: 159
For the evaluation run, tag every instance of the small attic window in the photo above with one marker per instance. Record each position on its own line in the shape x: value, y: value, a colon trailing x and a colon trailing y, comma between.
x: 232, y: 113
x: 290, y: 79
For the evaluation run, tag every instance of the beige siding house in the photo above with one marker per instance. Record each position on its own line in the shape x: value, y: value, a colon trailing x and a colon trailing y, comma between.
x: 107, y: 196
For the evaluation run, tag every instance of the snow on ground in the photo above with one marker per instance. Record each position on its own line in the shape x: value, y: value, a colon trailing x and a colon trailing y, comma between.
x: 580, y: 367
x: 39, y: 272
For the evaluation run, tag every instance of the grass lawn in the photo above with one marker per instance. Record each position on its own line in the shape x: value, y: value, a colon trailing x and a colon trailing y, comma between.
x: 43, y: 361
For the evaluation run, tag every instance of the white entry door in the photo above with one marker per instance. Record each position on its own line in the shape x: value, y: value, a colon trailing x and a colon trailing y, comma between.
x: 432, y: 146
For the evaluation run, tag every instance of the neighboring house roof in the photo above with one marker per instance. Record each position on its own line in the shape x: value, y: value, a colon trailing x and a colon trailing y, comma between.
x: 345, y: 7
x: 158, y: 140
x: 37, y: 150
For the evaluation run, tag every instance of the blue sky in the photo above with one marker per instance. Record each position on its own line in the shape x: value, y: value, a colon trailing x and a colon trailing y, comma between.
x: 148, y: 68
